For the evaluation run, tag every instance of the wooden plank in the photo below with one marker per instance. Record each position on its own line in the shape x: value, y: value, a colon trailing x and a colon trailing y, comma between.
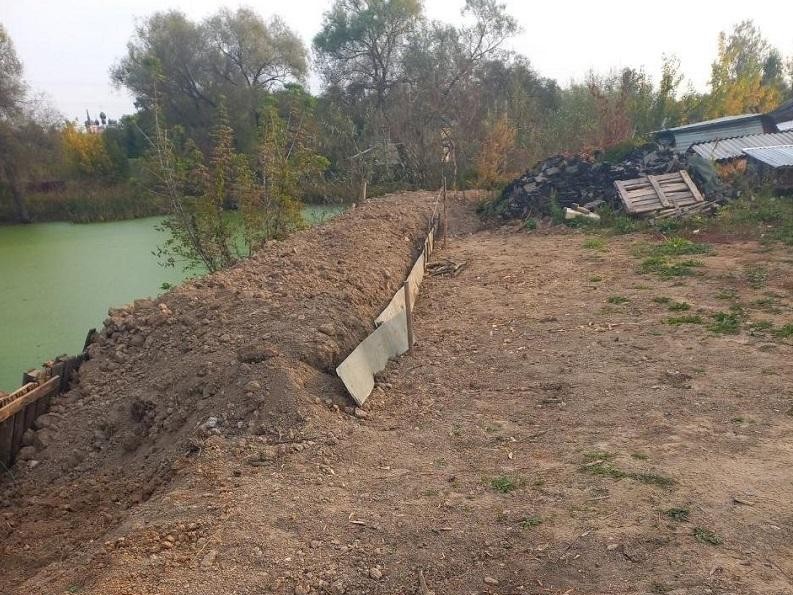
x: 37, y: 393
x: 6, y: 442
x: 693, y: 187
x: 657, y: 187
x: 19, y: 431
x: 5, y: 400
x: 673, y: 176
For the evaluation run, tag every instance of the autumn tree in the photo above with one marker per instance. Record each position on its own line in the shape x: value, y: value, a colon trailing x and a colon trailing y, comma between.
x: 747, y: 74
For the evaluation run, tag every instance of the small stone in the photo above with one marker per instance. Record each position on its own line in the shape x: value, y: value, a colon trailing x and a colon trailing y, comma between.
x: 26, y: 453
x: 252, y: 386
x: 376, y: 573
x: 361, y: 413
x: 612, y: 546
x: 315, y: 543
x: 252, y: 354
x: 209, y: 559
x: 327, y: 329
x: 489, y: 580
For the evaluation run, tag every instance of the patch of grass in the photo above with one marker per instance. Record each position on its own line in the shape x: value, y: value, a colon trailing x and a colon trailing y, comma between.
x: 707, y: 536
x: 640, y: 456
x: 617, y: 299
x: 738, y: 420
x: 756, y: 277
x: 785, y: 331
x: 760, y: 326
x: 727, y: 294
x: 598, y: 244
x: 677, y: 246
x: 725, y: 323
x: 663, y: 267
x: 662, y: 300
x: 597, y: 455
x: 770, y: 217
x: 677, y: 513
x: 505, y: 483
x: 529, y: 224
x: 595, y: 279
x: 767, y: 304
x: 679, y: 306
x: 687, y: 319
x: 530, y: 522
x: 607, y: 469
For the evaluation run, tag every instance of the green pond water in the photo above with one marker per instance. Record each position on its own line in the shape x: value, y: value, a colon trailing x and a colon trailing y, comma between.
x: 57, y: 280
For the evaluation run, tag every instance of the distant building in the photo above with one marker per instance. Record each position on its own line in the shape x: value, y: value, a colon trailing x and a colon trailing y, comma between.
x: 682, y: 138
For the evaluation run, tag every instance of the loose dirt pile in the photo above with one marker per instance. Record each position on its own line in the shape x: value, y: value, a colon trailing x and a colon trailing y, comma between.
x: 243, y: 352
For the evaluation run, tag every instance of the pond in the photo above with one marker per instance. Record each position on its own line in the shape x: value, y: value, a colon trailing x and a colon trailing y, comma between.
x: 57, y: 280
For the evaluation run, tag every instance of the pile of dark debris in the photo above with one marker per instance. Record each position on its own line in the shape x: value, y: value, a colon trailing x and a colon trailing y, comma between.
x: 587, y: 181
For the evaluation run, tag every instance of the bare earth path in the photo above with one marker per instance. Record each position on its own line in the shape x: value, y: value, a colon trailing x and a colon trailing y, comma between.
x: 534, y: 443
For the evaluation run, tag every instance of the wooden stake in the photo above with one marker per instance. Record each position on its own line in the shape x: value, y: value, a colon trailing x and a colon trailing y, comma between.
x: 445, y: 217
x: 408, y: 314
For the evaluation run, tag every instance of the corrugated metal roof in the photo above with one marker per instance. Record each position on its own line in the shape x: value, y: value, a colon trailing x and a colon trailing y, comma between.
x: 683, y: 137
x: 714, y: 122
x: 732, y: 148
x: 774, y: 156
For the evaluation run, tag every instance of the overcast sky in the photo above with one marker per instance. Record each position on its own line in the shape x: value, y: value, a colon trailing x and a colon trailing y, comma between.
x: 68, y: 46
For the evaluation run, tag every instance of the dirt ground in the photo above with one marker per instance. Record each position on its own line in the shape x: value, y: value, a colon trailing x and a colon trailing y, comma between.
x: 551, y: 433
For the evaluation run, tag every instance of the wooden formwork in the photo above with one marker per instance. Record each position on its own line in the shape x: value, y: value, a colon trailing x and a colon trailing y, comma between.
x: 21, y: 408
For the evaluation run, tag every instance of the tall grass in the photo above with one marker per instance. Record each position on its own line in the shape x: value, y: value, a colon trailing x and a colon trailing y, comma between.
x: 90, y: 202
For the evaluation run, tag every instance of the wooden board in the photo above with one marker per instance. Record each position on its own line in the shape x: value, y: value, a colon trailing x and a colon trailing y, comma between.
x: 657, y: 193
x: 30, y: 397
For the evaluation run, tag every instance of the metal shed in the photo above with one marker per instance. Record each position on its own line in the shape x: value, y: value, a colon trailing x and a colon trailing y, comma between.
x: 683, y: 137
x: 732, y: 148
x: 774, y: 157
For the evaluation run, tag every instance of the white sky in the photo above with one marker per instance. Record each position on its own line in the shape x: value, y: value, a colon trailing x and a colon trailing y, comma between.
x: 68, y: 46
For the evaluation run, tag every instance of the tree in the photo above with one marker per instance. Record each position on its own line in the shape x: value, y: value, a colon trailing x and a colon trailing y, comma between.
x: 361, y: 44
x: 12, y: 87
x: 746, y: 76
x: 235, y: 55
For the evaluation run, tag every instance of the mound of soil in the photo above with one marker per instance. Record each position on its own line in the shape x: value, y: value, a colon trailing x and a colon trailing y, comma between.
x: 247, y: 351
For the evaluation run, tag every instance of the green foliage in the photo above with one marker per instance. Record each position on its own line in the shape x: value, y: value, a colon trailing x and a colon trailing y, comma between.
x: 707, y: 536
x: 593, y: 243
x: 530, y: 522
x: 664, y: 268
x: 679, y: 306
x: 617, y: 299
x: 768, y: 217
x: 785, y: 331
x: 756, y: 276
x: 529, y: 224
x: 677, y: 246
x: 687, y: 319
x: 725, y: 323
x: 505, y: 483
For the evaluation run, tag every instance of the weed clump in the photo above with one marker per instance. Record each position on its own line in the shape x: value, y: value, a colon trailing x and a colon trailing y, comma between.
x: 687, y: 319
x: 707, y: 536
x: 663, y: 267
x: 725, y: 323
x: 505, y: 483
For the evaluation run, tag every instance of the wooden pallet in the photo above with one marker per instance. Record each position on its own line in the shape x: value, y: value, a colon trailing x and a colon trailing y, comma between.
x: 655, y: 193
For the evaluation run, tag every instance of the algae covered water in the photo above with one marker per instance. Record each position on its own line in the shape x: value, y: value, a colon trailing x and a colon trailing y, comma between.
x: 57, y: 280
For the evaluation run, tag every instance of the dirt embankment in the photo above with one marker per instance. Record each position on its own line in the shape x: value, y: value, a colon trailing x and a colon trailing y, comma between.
x: 570, y: 422
x: 240, y: 353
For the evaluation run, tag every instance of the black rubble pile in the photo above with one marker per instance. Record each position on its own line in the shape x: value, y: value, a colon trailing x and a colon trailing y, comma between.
x: 582, y: 180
